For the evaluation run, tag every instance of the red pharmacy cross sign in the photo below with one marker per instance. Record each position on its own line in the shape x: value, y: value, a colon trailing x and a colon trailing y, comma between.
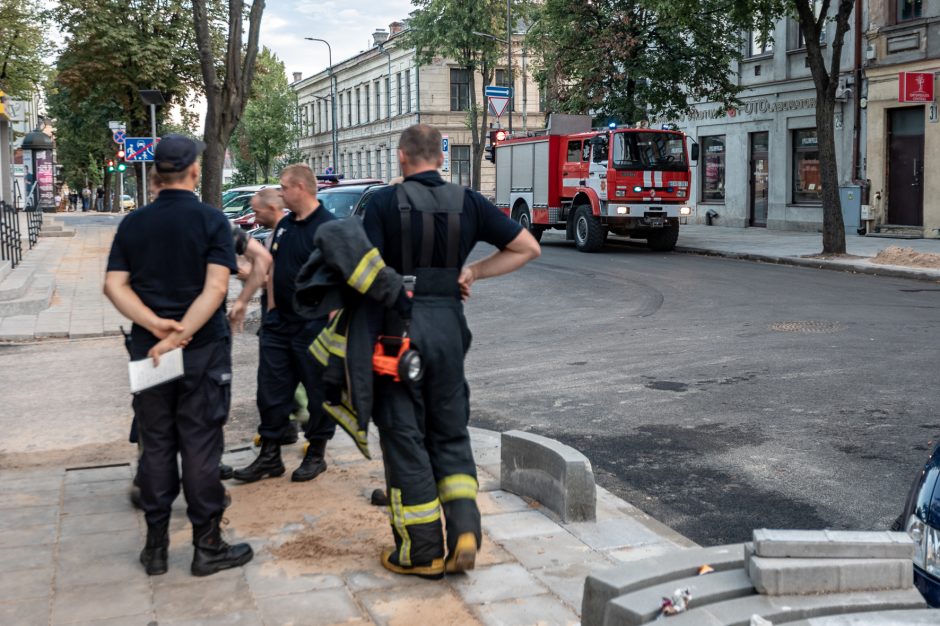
x: 915, y: 87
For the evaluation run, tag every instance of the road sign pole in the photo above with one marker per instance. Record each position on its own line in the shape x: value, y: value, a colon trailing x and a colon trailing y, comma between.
x: 121, y: 191
x: 143, y: 166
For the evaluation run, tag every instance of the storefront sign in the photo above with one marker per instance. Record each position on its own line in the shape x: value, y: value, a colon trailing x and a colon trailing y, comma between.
x: 915, y: 87
x: 751, y: 107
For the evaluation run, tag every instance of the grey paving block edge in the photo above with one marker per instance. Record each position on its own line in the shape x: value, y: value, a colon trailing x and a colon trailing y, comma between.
x: 558, y: 476
x: 840, y: 544
x: 786, y: 577
x: 603, y: 586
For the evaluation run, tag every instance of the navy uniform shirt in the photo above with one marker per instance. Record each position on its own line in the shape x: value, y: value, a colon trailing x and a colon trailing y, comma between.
x: 166, y: 247
x: 479, y: 221
x: 291, y: 247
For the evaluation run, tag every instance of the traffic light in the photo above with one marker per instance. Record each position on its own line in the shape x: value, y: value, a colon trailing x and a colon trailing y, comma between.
x: 110, y: 165
x: 496, y: 136
x: 121, y: 167
x: 120, y: 154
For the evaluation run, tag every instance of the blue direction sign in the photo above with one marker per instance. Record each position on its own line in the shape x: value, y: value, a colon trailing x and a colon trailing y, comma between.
x: 138, y: 148
x: 497, y: 92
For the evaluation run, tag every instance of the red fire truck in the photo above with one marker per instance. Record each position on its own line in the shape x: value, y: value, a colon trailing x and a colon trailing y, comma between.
x: 588, y: 182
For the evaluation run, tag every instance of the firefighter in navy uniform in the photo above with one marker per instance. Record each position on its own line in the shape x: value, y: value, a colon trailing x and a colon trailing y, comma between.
x: 426, y: 228
x: 168, y: 272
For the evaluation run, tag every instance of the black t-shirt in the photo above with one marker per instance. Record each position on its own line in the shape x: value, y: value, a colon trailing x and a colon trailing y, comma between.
x: 479, y: 221
x: 291, y: 247
x: 166, y: 247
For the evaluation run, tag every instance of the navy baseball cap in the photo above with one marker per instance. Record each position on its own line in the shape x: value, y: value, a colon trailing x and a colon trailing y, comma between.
x: 175, y: 153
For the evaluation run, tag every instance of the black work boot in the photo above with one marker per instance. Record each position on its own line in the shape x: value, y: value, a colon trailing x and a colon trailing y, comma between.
x: 212, y: 554
x: 268, y: 463
x: 313, y: 464
x: 153, y: 556
x: 225, y: 471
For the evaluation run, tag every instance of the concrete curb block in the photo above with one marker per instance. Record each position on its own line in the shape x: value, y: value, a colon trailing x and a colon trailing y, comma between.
x: 550, y: 472
x: 839, y: 266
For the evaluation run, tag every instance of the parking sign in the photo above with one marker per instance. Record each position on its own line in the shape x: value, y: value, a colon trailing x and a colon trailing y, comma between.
x: 445, y: 148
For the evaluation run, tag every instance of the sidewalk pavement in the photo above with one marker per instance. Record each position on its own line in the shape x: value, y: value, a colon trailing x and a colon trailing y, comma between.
x: 69, y: 545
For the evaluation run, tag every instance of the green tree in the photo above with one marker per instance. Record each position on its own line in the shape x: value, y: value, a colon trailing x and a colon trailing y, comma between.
x: 268, y: 128
x: 445, y: 28
x: 24, y: 44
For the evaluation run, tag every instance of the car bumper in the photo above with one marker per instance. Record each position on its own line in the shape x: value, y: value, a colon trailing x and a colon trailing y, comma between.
x: 929, y: 586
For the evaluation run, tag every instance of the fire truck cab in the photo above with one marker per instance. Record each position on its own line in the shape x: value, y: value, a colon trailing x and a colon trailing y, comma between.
x: 632, y: 182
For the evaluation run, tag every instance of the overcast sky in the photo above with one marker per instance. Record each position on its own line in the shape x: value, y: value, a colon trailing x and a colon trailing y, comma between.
x: 347, y: 24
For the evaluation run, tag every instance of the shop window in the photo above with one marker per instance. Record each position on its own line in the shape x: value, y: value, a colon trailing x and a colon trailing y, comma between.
x: 460, y: 165
x: 459, y: 90
x: 760, y: 44
x: 909, y: 10
x: 713, y: 172
x: 807, y: 181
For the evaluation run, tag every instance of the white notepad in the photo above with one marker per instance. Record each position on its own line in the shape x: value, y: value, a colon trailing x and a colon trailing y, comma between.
x: 144, y: 375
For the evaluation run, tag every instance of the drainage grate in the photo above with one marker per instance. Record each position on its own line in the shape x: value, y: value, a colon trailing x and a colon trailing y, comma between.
x: 807, y: 327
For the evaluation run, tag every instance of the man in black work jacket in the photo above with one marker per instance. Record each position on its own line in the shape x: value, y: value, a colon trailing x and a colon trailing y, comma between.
x: 426, y: 228
x: 284, y: 356
x: 168, y: 272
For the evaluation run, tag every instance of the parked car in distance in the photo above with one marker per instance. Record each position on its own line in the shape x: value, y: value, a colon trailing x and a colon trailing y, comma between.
x: 921, y: 520
x: 230, y: 194
x: 346, y: 200
x: 128, y: 203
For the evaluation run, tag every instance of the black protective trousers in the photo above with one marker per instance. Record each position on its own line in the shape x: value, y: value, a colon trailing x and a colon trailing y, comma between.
x: 284, y: 361
x: 429, y: 464
x: 185, y: 416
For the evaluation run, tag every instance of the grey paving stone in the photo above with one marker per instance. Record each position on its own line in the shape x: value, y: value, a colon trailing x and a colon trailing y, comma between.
x: 142, y: 619
x: 33, y: 612
x: 98, y: 602
x: 602, y: 586
x: 75, y: 491
x: 549, y: 550
x: 416, y: 605
x: 365, y: 580
x: 784, y: 577
x: 98, y: 474
x: 913, y: 617
x: 637, y: 553
x: 81, y: 547
x: 499, y: 582
x: 28, y: 516
x: 540, y: 610
x: 32, y: 536
x: 497, y: 502
x: 514, y: 525
x: 200, y: 597
x: 106, y: 569
x: 546, y: 470
x: 318, y: 608
x: 241, y: 618
x: 610, y: 534
x: 73, y: 525
x: 267, y: 579
x: 19, y: 500
x: 833, y: 544
x: 24, y: 584
x: 26, y: 557
x: 31, y: 484
x: 567, y: 581
x: 107, y: 503
x: 487, y: 481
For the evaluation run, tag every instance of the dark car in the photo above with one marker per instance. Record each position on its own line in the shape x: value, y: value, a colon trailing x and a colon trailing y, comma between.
x: 921, y: 520
x: 345, y: 200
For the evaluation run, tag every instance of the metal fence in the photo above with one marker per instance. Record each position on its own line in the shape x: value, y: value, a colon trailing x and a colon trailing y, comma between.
x: 11, y: 245
x: 33, y: 226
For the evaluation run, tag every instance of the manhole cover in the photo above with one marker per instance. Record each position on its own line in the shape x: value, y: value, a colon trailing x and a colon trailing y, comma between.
x: 807, y: 327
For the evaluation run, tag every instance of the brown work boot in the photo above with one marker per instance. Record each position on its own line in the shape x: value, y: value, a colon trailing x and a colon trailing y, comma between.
x: 463, y: 556
x: 432, y: 571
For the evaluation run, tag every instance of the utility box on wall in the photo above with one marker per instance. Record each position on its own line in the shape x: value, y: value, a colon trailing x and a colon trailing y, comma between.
x: 851, y: 198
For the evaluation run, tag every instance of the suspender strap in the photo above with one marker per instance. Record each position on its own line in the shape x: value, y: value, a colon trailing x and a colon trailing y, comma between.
x: 427, y: 239
x: 404, y: 208
x: 453, y: 239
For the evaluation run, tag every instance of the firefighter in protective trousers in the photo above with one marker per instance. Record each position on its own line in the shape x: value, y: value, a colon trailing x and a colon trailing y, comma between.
x: 424, y: 229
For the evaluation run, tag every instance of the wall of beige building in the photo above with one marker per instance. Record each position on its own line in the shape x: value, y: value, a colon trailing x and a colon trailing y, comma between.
x: 368, y: 130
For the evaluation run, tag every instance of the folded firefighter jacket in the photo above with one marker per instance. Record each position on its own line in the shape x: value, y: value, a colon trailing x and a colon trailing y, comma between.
x: 346, y: 274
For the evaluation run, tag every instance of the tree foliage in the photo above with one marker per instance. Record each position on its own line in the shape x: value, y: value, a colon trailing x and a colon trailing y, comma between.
x: 268, y: 128
x: 24, y: 44
x: 445, y: 28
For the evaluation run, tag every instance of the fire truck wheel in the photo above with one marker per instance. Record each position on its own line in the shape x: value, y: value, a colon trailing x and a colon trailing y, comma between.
x: 521, y: 214
x: 588, y: 232
x: 663, y: 240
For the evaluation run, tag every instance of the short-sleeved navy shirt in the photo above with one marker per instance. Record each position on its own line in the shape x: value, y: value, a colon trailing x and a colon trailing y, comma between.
x: 291, y: 247
x: 479, y: 221
x: 166, y: 247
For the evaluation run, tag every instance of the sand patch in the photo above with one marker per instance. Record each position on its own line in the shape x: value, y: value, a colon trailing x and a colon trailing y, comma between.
x: 907, y: 257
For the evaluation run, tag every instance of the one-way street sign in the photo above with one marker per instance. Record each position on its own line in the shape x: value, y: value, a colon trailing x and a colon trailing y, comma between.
x: 138, y: 148
x: 497, y: 92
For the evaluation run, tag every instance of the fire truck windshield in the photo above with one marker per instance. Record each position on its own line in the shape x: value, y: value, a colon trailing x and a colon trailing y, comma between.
x: 635, y: 150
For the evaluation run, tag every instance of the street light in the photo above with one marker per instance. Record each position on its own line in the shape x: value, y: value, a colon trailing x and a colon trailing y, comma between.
x: 151, y: 98
x: 332, y: 97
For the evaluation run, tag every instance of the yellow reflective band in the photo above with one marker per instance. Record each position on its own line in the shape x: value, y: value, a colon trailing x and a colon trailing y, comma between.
x: 346, y: 418
x: 319, y: 352
x: 333, y: 343
x: 364, y: 274
x: 422, y: 513
x: 398, y: 522
x: 457, y: 487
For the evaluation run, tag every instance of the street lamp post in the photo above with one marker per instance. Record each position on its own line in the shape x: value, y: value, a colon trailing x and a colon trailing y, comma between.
x: 512, y: 101
x: 151, y: 98
x: 332, y: 97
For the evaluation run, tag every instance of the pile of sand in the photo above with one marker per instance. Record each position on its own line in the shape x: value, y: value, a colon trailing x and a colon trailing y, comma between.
x: 907, y: 257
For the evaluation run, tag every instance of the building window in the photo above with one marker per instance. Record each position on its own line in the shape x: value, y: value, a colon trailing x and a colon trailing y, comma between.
x: 359, y: 164
x: 349, y: 106
x: 760, y: 44
x: 408, y: 91
x: 388, y: 159
x: 340, y: 110
x: 502, y: 80
x: 368, y: 105
x: 378, y: 164
x: 399, y: 91
x: 358, y: 106
x: 909, y: 9
x: 713, y: 174
x: 378, y: 102
x: 460, y: 165
x: 369, y: 163
x: 459, y: 90
x: 388, y: 96
x: 807, y: 183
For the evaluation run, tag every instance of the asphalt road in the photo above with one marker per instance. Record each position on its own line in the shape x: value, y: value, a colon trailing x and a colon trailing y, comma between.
x: 717, y: 395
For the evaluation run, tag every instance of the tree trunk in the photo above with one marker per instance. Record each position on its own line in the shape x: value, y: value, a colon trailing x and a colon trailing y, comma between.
x: 475, y: 131
x: 833, y: 226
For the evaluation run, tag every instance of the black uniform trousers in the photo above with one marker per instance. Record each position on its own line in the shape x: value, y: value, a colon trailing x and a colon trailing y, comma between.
x: 284, y: 362
x: 429, y: 464
x: 185, y: 416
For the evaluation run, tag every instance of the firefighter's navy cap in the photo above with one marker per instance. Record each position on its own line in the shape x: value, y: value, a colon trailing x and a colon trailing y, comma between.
x: 175, y: 153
